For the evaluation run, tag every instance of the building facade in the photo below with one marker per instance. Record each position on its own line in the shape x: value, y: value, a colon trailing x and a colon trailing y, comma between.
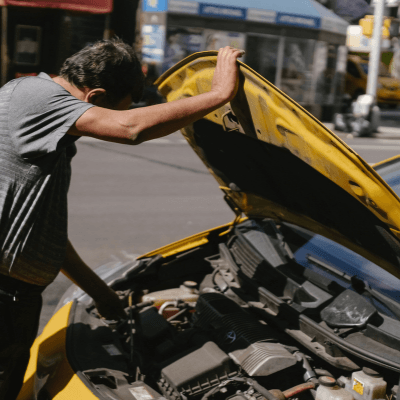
x: 299, y: 48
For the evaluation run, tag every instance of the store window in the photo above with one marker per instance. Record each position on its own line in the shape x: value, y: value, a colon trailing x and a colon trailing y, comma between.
x: 262, y: 55
x: 318, y: 91
x: 340, y: 74
x: 181, y: 42
x: 214, y: 40
x: 296, y: 79
x: 27, y: 45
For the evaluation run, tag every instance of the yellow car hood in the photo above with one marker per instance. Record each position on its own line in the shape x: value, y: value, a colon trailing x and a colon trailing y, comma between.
x: 274, y: 159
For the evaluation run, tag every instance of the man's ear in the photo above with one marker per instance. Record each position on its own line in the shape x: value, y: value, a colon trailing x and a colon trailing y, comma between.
x: 96, y: 96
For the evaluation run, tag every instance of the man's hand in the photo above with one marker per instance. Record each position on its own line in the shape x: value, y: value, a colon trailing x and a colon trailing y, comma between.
x: 107, y: 301
x: 225, y: 80
x: 109, y: 306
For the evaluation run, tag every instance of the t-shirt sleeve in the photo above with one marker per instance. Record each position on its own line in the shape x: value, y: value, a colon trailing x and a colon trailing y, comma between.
x: 40, y: 114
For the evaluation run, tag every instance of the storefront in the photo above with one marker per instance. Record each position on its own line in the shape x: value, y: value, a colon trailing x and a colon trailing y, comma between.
x: 298, y: 46
x: 38, y: 35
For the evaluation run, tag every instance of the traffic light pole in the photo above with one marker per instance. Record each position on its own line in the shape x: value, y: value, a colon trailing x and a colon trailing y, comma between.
x: 366, y: 113
x: 375, y: 55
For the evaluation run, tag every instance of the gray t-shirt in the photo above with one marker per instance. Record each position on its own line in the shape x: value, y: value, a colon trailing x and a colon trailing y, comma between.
x: 35, y: 171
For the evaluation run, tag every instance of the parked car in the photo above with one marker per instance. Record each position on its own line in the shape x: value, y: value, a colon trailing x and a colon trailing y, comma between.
x: 298, y: 297
x: 388, y: 91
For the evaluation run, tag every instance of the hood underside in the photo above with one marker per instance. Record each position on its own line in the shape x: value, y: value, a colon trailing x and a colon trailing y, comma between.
x: 273, y: 159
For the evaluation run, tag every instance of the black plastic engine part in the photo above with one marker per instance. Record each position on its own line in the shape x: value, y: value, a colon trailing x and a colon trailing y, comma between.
x: 264, y: 237
x: 153, y: 326
x: 349, y: 309
x: 232, y: 327
x: 102, y: 377
x: 197, y: 372
x: 249, y: 343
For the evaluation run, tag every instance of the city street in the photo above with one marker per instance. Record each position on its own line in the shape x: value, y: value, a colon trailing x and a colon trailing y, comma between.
x: 305, y: 289
x: 132, y: 199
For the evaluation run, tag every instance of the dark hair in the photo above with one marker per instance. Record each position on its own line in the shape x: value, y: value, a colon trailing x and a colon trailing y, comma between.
x: 108, y: 64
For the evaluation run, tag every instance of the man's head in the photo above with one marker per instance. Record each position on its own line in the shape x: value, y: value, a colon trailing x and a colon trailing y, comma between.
x: 110, y: 69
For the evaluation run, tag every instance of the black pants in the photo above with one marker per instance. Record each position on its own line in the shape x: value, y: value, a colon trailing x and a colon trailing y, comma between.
x: 20, y: 305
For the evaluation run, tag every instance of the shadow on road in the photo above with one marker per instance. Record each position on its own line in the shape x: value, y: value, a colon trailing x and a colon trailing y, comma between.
x: 152, y: 160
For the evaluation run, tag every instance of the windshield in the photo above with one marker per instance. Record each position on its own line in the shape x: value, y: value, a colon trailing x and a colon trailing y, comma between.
x: 338, y: 264
x: 383, y: 71
x: 318, y: 251
x: 390, y: 172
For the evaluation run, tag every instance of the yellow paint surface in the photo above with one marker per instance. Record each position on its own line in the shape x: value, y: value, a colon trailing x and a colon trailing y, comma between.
x: 48, y: 355
x: 263, y: 110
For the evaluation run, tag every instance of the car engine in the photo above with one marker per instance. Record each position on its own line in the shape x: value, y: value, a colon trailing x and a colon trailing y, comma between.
x: 231, y: 320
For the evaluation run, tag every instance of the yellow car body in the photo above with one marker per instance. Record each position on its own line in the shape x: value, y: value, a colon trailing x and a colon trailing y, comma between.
x: 268, y: 117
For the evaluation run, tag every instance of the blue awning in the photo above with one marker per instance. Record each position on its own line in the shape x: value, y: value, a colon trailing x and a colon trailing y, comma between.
x: 300, y: 13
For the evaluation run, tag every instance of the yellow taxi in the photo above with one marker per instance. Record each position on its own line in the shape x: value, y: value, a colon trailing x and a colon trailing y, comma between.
x: 388, y: 91
x: 297, y: 297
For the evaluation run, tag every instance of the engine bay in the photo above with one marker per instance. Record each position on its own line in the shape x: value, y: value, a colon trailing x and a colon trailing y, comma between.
x: 238, y: 318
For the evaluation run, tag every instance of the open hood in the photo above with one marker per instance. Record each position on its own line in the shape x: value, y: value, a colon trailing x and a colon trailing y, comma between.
x: 273, y: 159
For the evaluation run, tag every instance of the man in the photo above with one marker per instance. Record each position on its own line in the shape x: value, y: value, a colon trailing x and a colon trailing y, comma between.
x: 40, y: 119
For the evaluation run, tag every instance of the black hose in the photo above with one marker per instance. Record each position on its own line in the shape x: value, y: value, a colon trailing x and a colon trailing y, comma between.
x: 254, y: 384
x: 310, y: 375
x: 261, y: 389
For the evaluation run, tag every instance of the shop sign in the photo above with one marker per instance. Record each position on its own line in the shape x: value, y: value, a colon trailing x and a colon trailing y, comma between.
x: 334, y: 25
x: 153, y: 43
x: 298, y: 20
x: 154, y: 5
x: 92, y: 6
x: 226, y: 12
x: 183, y: 7
x: 265, y: 16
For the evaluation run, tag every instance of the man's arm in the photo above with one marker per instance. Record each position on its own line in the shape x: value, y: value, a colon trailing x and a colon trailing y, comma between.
x: 107, y: 301
x: 142, y: 124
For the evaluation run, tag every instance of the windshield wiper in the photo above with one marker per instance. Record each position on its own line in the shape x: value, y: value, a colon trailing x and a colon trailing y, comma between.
x: 361, y: 286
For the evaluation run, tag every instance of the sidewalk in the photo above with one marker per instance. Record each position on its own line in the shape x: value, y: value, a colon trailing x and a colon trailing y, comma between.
x: 389, y: 127
x: 384, y: 132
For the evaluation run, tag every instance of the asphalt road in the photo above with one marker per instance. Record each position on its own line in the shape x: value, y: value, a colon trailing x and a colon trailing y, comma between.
x: 133, y: 199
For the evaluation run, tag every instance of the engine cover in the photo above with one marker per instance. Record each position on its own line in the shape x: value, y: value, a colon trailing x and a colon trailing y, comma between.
x: 196, y: 372
x: 250, y: 344
x: 231, y: 326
